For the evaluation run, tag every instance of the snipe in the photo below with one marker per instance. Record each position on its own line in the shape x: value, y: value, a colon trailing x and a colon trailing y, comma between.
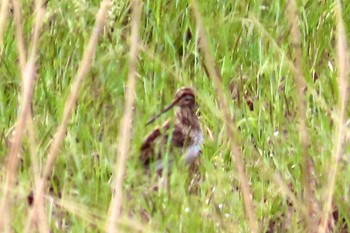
x: 183, y: 134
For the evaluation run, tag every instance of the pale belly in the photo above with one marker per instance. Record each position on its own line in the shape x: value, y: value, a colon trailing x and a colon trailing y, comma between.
x: 193, y: 151
x: 189, y: 154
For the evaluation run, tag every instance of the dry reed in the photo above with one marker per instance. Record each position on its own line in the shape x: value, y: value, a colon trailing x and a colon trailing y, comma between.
x: 21, y: 48
x: 28, y: 78
x: 22, y: 60
x: 340, y: 131
x: 310, y: 200
x: 84, y: 68
x: 213, y: 73
x: 126, y: 122
x: 94, y: 218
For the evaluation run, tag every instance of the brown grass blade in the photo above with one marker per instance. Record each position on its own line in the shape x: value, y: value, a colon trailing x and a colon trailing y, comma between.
x: 31, y: 128
x: 22, y: 60
x: 84, y: 68
x: 310, y: 200
x: 92, y: 217
x: 213, y: 73
x: 340, y: 132
x: 277, y: 178
x: 126, y: 123
x: 28, y: 78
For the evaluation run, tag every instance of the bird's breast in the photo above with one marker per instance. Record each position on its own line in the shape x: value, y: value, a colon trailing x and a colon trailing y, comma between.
x: 193, y: 150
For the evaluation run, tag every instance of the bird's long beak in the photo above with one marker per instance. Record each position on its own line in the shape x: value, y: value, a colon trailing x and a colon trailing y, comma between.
x: 167, y: 108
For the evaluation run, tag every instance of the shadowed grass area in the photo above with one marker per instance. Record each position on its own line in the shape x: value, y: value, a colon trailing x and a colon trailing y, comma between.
x: 251, y: 44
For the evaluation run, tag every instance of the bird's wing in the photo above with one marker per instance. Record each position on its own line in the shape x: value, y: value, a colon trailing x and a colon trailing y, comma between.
x: 178, y: 139
x: 156, y: 138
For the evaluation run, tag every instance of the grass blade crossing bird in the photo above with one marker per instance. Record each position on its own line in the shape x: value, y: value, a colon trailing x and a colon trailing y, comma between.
x: 184, y: 133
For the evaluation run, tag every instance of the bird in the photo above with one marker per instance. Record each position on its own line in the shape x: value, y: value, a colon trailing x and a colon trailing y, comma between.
x: 182, y: 135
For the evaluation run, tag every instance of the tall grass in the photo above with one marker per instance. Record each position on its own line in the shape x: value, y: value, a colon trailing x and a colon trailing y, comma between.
x: 341, y: 110
x: 310, y: 201
x: 213, y: 73
x: 271, y: 83
x: 126, y: 123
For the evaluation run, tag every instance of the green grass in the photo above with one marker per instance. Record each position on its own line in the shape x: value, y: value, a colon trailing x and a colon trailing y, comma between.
x: 243, y: 36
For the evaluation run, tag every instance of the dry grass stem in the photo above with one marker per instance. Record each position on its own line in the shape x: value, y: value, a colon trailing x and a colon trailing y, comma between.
x: 281, y: 185
x: 231, y: 129
x: 286, y: 190
x: 22, y: 60
x: 93, y: 218
x: 31, y: 128
x: 310, y: 200
x: 28, y: 78
x: 126, y: 123
x: 84, y: 68
x: 340, y: 132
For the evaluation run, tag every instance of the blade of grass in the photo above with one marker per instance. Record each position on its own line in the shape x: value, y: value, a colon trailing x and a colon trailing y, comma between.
x: 28, y: 77
x: 213, y: 73
x: 126, y: 123
x: 289, y: 63
x: 84, y: 68
x: 340, y: 131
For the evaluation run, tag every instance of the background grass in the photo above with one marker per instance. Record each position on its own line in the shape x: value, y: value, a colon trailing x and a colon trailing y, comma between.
x: 251, y: 44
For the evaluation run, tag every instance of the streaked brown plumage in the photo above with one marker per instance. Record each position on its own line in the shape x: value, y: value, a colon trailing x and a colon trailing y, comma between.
x: 185, y: 132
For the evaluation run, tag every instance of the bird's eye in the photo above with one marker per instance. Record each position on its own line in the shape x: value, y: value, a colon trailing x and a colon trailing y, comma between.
x: 188, y: 98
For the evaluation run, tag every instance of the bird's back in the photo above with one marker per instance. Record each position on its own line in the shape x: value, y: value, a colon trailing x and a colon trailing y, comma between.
x: 171, y: 139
